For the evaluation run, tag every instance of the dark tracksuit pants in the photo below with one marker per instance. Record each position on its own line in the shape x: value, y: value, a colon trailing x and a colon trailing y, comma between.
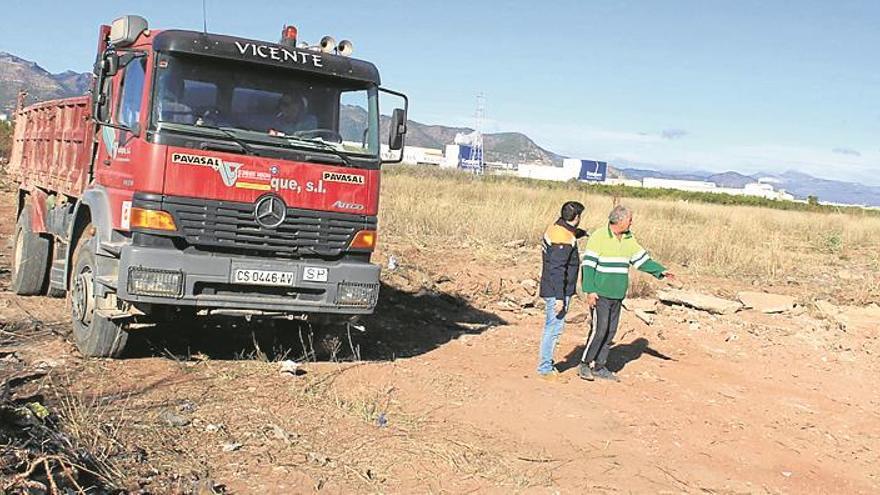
x: 606, y: 316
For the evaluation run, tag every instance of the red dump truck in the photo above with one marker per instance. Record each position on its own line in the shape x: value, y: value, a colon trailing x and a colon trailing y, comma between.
x: 204, y: 173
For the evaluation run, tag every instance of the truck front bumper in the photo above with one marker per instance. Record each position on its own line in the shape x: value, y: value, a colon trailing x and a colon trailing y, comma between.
x: 163, y: 276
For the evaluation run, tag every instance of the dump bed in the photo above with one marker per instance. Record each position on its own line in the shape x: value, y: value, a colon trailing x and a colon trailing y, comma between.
x: 52, y: 145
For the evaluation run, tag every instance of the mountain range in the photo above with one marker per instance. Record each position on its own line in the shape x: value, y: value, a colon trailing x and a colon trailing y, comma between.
x: 510, y: 147
x: 513, y: 147
x: 17, y: 74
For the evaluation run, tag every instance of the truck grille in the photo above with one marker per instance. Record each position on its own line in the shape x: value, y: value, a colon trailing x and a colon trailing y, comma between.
x: 231, y: 226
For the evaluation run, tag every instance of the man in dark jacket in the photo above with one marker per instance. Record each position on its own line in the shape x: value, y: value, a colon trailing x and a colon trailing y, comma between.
x: 558, y: 279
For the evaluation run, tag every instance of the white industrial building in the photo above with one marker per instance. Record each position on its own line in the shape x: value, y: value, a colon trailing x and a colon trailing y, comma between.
x: 615, y: 181
x: 415, y: 155
x: 571, y: 169
x: 548, y: 172
x: 681, y: 185
x: 456, y: 155
x: 758, y: 189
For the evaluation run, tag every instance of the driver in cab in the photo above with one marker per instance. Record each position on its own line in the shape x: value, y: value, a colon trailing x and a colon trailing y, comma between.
x: 292, y: 116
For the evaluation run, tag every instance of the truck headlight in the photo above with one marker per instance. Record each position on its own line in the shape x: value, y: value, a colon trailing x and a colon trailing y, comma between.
x: 356, y: 295
x: 150, y: 282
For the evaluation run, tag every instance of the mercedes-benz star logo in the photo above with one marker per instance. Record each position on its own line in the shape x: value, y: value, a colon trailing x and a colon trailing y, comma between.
x: 270, y: 211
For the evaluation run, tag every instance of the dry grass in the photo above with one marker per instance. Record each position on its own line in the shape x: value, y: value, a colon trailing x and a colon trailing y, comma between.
x: 454, y: 209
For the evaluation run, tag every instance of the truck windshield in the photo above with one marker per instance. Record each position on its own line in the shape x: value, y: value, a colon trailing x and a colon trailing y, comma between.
x: 309, y: 110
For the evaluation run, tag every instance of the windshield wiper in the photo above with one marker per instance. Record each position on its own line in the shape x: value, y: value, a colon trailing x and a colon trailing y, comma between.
x: 226, y: 130
x: 323, y: 147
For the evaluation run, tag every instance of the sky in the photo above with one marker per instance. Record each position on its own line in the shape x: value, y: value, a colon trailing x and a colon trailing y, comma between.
x: 752, y: 86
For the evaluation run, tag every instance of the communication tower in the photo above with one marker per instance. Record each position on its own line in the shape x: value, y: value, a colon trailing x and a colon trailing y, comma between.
x: 476, y: 159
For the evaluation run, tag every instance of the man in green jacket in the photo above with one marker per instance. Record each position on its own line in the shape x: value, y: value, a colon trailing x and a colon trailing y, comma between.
x: 605, y: 279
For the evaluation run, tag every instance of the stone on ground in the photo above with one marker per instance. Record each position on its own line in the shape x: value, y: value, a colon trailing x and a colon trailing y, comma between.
x: 766, y: 302
x: 703, y: 302
x: 640, y: 304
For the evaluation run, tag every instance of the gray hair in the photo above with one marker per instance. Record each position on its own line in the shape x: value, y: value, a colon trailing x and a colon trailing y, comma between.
x: 619, y: 214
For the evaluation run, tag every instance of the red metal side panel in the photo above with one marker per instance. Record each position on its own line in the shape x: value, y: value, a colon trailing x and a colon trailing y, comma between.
x: 52, y: 145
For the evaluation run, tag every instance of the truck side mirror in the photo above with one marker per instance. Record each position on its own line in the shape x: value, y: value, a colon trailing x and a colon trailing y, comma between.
x: 398, y: 129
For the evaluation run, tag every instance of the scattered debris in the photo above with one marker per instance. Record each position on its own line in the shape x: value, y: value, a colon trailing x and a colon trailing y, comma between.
x: 766, y: 302
x: 38, y: 410
x: 392, y: 262
x: 518, y: 243
x: 645, y: 316
x: 530, y: 286
x: 231, y: 446
x: 318, y: 458
x: 703, y: 302
x: 508, y: 305
x: 288, y: 366
x: 640, y: 304
x: 382, y: 421
x: 832, y: 313
x: 174, y: 419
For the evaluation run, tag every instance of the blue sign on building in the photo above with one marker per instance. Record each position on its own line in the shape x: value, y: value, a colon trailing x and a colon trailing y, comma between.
x: 592, y: 170
x: 468, y: 162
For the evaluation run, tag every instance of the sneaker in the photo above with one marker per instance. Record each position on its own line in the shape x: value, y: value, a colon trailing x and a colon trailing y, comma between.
x: 585, y: 372
x: 605, y: 374
x: 551, y: 376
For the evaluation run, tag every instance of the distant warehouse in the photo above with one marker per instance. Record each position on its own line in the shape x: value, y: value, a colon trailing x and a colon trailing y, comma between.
x: 758, y: 189
x: 572, y: 168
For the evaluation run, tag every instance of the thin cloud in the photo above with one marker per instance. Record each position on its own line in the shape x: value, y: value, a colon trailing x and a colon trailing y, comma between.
x: 846, y: 151
x: 673, y: 133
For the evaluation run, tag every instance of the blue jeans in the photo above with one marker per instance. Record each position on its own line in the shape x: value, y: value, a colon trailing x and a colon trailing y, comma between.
x: 552, y: 330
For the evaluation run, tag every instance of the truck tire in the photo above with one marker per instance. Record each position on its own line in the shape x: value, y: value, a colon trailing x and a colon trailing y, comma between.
x: 30, y: 263
x: 95, y: 335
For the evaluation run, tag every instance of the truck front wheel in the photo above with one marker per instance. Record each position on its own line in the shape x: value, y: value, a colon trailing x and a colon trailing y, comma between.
x: 95, y: 335
x: 30, y: 264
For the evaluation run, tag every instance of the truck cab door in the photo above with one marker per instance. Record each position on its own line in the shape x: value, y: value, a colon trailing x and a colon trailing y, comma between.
x: 122, y: 108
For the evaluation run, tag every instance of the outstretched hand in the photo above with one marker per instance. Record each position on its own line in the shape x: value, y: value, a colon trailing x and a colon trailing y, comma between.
x: 673, y: 280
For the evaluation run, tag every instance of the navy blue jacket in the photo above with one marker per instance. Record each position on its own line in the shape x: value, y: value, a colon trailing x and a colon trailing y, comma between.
x: 560, y: 260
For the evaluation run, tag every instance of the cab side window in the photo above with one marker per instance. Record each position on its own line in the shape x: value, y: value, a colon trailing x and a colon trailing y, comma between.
x: 129, y: 111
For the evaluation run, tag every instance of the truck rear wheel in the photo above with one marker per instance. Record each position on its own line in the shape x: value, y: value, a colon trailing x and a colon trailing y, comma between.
x: 95, y: 335
x: 30, y: 264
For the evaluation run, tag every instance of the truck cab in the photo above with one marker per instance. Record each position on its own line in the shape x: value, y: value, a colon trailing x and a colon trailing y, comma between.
x: 226, y: 175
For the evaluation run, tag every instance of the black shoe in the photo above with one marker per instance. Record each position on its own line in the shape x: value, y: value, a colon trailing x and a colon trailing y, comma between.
x: 585, y: 372
x: 605, y: 374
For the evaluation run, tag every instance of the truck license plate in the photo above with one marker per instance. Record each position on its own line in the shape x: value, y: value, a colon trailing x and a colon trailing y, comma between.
x: 315, y: 274
x: 263, y: 277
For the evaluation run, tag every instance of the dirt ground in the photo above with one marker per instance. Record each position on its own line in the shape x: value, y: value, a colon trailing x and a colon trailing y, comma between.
x: 444, y: 397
